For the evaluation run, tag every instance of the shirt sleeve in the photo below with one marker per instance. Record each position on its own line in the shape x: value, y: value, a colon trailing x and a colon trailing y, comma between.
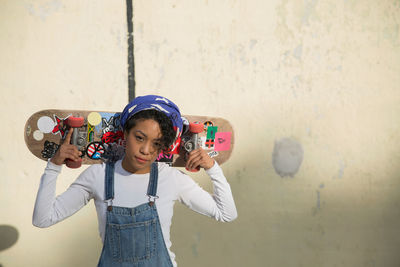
x: 220, y: 205
x: 50, y: 209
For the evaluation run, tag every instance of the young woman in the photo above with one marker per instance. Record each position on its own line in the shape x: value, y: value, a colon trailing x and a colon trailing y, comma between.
x: 134, y: 197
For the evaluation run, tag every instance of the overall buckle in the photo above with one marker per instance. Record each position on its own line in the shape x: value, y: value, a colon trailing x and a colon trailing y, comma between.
x: 152, y: 199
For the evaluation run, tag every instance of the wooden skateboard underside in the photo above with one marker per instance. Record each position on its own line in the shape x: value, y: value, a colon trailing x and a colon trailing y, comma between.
x: 101, y: 137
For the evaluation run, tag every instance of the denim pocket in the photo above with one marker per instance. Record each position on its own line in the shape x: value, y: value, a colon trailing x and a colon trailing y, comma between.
x: 132, y: 242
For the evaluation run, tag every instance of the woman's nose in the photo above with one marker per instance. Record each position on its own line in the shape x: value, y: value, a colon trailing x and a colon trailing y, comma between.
x: 145, y: 148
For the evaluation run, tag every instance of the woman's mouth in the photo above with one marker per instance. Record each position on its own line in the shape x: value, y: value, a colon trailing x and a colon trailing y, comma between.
x: 141, y: 160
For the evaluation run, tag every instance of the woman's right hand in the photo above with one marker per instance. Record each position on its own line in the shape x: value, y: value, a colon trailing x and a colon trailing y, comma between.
x: 66, y: 151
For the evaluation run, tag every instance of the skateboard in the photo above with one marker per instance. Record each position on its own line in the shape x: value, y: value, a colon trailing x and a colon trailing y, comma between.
x: 99, y: 136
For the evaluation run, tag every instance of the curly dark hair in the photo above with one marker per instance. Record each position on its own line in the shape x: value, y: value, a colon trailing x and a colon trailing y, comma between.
x: 165, y: 123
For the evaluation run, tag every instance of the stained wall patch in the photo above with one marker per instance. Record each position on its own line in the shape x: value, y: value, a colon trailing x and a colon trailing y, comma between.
x: 287, y: 157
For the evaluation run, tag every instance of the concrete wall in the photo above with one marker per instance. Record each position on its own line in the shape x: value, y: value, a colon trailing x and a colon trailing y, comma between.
x: 311, y: 87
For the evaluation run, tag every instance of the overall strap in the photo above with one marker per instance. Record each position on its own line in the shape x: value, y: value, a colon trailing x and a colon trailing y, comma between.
x: 153, y: 182
x: 109, y: 184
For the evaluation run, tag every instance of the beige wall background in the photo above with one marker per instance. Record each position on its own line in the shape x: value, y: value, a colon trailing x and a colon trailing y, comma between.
x: 311, y: 84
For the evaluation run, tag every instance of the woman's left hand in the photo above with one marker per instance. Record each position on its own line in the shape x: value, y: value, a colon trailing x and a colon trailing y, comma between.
x: 199, y: 158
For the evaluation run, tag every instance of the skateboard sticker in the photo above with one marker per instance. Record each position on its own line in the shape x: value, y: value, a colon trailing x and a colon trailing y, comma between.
x: 206, y: 144
x: 211, y: 132
x: 213, y: 154
x: 165, y: 157
x: 61, y: 125
x: 109, y: 122
x: 28, y: 130
x: 95, y: 150
x: 209, y: 143
x: 45, y: 124
x: 113, y: 152
x: 223, y: 141
x: 208, y: 124
x: 90, y: 133
x: 94, y: 118
x: 38, y: 135
x: 111, y: 129
x: 50, y: 148
x: 113, y: 137
x: 110, y: 125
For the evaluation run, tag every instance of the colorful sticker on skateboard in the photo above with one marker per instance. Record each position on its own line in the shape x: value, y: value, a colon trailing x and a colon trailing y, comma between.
x: 90, y: 133
x: 208, y: 124
x: 113, y: 137
x: 111, y: 129
x: 209, y: 144
x: 110, y: 122
x: 94, y: 118
x: 49, y: 149
x: 95, y: 150
x: 165, y: 157
x: 222, y: 141
x: 211, y: 131
x: 61, y: 126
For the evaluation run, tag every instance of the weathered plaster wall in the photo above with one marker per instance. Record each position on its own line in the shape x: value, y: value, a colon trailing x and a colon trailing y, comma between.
x: 54, y: 54
x: 311, y: 87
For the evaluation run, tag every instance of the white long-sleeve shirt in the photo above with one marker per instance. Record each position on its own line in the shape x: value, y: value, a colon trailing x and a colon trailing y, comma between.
x: 130, y: 191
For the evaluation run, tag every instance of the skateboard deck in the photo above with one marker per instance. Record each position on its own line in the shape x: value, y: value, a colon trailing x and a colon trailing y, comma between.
x: 100, y: 138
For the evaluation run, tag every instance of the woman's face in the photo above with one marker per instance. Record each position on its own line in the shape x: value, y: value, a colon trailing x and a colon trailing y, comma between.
x: 143, y: 144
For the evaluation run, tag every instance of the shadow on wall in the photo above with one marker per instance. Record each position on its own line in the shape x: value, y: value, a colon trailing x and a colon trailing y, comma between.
x: 8, y: 237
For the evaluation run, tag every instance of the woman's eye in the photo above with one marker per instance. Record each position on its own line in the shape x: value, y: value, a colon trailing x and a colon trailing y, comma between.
x: 139, y: 138
x: 157, y: 145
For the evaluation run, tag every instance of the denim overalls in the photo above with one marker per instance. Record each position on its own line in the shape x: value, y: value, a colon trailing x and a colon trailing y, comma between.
x: 133, y: 236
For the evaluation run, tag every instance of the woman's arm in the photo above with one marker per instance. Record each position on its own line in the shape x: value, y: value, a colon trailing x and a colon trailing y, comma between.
x: 220, y: 205
x: 50, y: 209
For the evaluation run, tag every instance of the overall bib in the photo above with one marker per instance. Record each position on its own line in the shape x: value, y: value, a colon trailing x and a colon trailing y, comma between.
x: 133, y: 236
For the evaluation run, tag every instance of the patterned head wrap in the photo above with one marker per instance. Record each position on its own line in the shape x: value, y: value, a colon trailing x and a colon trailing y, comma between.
x: 158, y: 103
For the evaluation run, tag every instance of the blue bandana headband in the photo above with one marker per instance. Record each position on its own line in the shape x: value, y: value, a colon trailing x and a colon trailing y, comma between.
x: 154, y: 102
